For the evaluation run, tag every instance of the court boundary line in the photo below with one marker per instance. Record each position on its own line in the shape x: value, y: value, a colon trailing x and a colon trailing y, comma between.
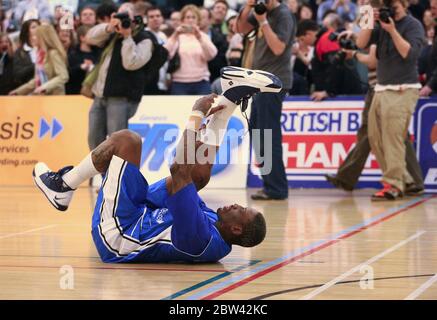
x: 10, y: 235
x: 353, y: 270
x: 263, y: 269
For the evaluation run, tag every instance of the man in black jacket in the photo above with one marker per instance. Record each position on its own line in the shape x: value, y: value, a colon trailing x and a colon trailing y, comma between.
x: 117, y: 82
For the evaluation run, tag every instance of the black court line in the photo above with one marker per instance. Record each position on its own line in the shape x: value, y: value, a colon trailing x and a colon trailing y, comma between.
x: 272, y: 294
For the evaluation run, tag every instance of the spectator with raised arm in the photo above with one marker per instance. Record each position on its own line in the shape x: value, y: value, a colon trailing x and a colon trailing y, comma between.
x: 195, y: 49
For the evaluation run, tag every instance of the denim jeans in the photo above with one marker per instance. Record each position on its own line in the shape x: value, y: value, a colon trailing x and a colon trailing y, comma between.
x: 108, y: 115
x: 190, y: 88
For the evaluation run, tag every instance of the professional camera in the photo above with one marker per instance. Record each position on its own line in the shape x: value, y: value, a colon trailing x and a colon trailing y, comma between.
x: 344, y: 43
x: 386, y: 12
x: 125, y: 19
x: 260, y: 6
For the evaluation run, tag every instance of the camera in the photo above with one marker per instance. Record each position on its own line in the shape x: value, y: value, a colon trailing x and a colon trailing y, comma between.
x: 260, y: 6
x: 344, y: 43
x: 187, y: 29
x: 125, y: 19
x: 386, y: 12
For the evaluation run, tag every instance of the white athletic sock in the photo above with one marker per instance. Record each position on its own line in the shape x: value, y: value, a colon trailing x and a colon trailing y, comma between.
x: 216, y: 127
x: 81, y: 173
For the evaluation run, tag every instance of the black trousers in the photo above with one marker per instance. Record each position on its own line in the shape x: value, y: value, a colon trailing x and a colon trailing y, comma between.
x: 266, y: 115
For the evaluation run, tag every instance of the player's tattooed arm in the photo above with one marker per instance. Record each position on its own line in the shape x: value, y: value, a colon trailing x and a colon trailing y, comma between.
x: 185, y: 159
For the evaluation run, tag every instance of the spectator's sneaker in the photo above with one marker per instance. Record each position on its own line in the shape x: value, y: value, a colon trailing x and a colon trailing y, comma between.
x: 240, y: 84
x: 52, y: 185
x: 388, y: 192
x: 412, y: 189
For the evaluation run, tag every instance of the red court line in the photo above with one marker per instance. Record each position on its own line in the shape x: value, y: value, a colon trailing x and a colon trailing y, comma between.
x: 307, y: 253
x: 109, y: 268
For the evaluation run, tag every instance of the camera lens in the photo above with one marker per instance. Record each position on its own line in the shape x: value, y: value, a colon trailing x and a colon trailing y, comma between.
x: 125, y: 23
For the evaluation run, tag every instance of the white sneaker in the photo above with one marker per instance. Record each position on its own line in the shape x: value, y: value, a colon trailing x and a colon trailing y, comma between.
x: 52, y: 185
x: 240, y: 83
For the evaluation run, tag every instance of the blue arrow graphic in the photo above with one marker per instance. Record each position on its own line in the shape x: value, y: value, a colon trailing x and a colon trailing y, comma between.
x: 44, y: 127
x: 56, y: 128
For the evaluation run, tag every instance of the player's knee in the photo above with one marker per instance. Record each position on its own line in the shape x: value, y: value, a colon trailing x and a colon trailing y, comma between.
x: 126, y: 138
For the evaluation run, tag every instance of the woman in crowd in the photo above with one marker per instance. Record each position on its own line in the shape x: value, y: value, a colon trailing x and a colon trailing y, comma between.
x: 67, y: 39
x: 305, y: 12
x: 25, y: 56
x: 195, y: 49
x: 6, y: 59
x: 51, y: 72
x: 81, y: 60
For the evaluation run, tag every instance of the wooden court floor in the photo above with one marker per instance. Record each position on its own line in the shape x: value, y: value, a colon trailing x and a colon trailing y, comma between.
x: 320, y: 244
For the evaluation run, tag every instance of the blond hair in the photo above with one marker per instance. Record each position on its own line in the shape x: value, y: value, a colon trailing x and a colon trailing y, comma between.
x: 49, y: 39
x: 192, y: 8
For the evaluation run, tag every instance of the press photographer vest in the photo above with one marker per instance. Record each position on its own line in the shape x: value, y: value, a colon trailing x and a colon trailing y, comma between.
x: 121, y: 82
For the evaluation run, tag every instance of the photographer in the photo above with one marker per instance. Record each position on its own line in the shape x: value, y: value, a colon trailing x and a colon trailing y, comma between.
x: 116, y: 83
x: 275, y: 26
x: 350, y: 170
x: 333, y: 69
x: 399, y: 38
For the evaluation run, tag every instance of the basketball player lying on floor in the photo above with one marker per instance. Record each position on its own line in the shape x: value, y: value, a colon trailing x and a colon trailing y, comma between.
x: 166, y: 221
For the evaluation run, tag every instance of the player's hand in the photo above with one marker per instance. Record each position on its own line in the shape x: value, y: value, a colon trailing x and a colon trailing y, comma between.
x: 250, y: 3
x: 215, y: 109
x: 204, y: 104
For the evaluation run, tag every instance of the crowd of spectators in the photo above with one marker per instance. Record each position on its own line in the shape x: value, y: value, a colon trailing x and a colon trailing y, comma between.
x: 38, y: 55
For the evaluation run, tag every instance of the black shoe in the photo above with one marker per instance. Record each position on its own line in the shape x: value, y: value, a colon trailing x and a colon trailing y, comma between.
x: 337, y: 183
x: 412, y: 189
x: 261, y: 195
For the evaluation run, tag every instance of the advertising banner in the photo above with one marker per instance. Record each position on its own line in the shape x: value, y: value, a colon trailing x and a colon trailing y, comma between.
x: 50, y: 129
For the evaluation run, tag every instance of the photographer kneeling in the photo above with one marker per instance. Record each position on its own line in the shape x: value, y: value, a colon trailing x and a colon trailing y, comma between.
x: 117, y: 82
x: 333, y: 69
x: 399, y: 38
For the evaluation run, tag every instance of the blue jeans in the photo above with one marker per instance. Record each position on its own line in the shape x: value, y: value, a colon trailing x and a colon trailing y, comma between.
x: 190, y: 88
x: 108, y: 115
x: 266, y: 114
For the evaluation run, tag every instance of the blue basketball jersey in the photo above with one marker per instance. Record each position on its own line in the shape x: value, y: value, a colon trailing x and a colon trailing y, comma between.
x: 135, y: 222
